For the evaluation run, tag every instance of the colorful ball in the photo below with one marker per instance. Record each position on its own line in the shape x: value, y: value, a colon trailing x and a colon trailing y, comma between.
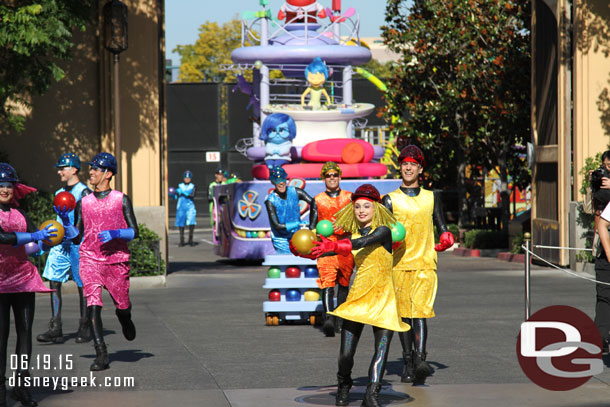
x: 261, y: 234
x: 302, y: 240
x: 312, y: 295
x: 248, y: 234
x: 293, y: 295
x: 64, y: 200
x: 31, y: 248
x: 55, y: 240
x: 275, y: 295
x: 398, y: 232
x: 325, y: 228
x: 311, y: 272
x: 268, y: 234
x: 293, y: 272
x: 274, y: 272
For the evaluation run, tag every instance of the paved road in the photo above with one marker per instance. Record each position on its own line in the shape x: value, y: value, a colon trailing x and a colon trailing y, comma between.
x: 202, y: 341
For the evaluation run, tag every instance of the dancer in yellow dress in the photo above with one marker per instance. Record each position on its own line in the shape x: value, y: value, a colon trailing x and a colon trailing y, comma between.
x: 371, y: 298
x: 415, y: 260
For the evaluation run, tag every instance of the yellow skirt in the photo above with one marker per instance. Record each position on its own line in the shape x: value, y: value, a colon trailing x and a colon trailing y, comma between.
x: 415, y: 292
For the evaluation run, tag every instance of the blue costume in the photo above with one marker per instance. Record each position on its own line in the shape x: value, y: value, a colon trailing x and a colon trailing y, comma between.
x: 64, y: 257
x: 185, y: 210
x: 288, y: 213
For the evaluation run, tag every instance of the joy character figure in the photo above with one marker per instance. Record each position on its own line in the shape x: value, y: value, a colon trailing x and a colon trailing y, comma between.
x: 316, y: 74
x: 294, y: 11
x: 278, y: 131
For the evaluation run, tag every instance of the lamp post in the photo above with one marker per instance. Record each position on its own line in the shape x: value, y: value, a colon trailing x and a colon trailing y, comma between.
x: 115, y: 41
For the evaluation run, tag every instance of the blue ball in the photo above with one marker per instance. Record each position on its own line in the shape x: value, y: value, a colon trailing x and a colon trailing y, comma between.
x: 249, y: 234
x: 311, y: 272
x: 293, y: 295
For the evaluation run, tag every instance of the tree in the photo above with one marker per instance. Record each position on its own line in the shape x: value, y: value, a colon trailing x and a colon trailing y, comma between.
x: 34, y: 37
x: 201, y: 61
x: 462, y: 86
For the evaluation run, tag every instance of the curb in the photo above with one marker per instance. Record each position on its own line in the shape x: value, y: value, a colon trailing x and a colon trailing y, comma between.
x: 463, y: 252
x: 508, y: 256
x: 135, y: 283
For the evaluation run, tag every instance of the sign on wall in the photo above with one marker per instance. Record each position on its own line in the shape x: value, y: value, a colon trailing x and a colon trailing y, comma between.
x: 212, y: 156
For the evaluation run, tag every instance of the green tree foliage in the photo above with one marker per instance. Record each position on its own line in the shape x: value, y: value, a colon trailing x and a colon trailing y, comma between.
x: 461, y: 89
x: 34, y: 37
x: 201, y: 61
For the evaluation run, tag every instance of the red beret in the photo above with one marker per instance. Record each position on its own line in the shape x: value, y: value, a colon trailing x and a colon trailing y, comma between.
x: 412, y: 153
x: 366, y: 191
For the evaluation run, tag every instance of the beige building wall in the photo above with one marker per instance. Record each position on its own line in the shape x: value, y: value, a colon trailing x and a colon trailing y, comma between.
x: 75, y: 115
x: 591, y: 84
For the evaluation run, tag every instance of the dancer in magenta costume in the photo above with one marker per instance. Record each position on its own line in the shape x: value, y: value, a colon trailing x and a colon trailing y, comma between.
x: 19, y: 279
x: 106, y: 223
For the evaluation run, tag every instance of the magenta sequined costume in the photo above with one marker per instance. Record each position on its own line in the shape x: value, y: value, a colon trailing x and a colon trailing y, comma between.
x: 17, y: 274
x: 107, y: 264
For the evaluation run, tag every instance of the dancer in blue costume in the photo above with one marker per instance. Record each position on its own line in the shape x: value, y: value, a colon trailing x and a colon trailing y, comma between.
x: 283, y: 209
x: 185, y: 210
x: 63, y: 260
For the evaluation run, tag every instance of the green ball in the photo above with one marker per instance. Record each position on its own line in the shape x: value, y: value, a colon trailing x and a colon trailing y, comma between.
x: 274, y: 272
x: 325, y: 228
x: 398, y: 232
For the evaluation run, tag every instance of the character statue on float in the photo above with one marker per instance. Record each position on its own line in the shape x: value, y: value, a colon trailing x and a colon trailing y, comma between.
x: 294, y: 11
x: 277, y: 132
x: 316, y: 74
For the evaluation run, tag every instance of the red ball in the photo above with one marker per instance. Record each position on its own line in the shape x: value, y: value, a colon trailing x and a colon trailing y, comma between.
x: 293, y: 272
x: 64, y: 199
x: 275, y: 295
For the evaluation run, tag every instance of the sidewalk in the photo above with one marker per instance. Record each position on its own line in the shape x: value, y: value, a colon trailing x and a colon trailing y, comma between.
x: 202, y: 341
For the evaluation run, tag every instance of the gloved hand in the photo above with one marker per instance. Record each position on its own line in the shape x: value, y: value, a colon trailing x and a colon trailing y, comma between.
x: 446, y: 240
x: 107, y: 235
x: 294, y: 251
x: 44, y: 234
x: 292, y: 226
x: 396, y: 245
x: 63, y: 214
x: 343, y: 246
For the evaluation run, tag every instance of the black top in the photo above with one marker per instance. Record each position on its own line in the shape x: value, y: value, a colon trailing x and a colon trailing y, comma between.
x: 128, y: 214
x: 381, y: 235
x: 437, y: 215
x: 302, y: 196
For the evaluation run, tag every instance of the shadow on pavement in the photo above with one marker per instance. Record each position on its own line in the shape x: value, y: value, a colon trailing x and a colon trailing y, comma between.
x: 225, y: 265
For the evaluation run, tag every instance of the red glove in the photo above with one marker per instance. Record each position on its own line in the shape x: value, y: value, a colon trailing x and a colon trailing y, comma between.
x: 294, y: 251
x: 322, y: 14
x: 343, y: 246
x: 445, y: 241
x: 396, y: 245
x: 281, y: 15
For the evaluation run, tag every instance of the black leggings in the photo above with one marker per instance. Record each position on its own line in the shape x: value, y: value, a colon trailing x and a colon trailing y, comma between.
x: 415, y: 338
x: 23, y: 311
x: 350, y: 335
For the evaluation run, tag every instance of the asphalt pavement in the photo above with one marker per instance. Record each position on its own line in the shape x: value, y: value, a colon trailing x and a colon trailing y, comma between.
x: 202, y: 341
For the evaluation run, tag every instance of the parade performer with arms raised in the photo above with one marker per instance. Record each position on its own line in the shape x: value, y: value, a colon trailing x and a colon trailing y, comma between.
x: 415, y: 259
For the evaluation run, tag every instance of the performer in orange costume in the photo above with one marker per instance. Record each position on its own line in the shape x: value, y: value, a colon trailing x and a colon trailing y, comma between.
x: 339, y: 268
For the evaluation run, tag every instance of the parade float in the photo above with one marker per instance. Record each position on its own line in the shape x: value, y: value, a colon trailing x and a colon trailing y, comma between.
x: 324, y: 132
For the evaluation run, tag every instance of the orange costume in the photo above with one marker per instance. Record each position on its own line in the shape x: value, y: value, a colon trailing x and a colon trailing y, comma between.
x: 339, y: 268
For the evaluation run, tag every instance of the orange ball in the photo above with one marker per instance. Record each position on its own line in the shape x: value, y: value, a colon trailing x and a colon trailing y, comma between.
x: 54, y: 240
x: 303, y: 239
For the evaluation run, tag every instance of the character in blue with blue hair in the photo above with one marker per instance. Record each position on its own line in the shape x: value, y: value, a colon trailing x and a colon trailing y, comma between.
x: 283, y: 209
x: 185, y: 209
x: 277, y: 132
x: 316, y: 74
x: 63, y: 259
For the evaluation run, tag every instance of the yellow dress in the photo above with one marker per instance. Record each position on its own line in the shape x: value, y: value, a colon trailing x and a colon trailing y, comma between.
x: 371, y: 298
x: 415, y: 259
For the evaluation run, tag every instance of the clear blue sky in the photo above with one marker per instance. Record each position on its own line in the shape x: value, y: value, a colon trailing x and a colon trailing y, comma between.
x: 183, y: 17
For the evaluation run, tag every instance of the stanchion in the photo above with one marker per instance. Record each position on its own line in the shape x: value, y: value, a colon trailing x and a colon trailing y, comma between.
x: 528, y: 303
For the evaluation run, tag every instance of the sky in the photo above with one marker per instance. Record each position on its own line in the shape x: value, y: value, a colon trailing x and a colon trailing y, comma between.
x: 184, y: 17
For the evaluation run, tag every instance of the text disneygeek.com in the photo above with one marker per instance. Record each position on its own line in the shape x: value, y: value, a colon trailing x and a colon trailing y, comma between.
x: 65, y: 382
